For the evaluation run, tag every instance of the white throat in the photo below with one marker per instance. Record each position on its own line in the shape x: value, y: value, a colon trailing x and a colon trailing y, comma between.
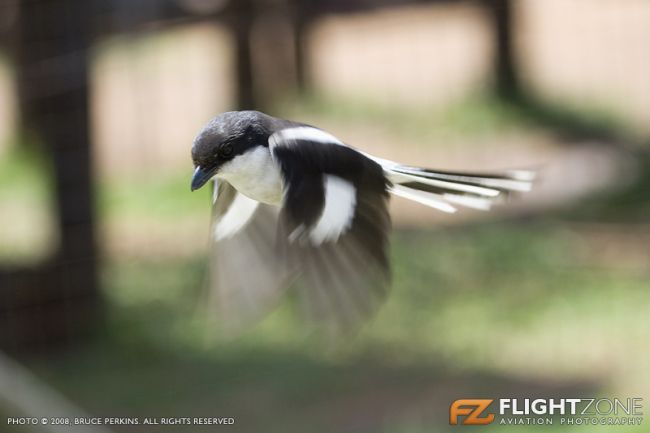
x: 255, y: 175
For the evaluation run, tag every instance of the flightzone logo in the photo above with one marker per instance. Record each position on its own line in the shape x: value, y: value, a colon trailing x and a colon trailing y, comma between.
x: 547, y: 411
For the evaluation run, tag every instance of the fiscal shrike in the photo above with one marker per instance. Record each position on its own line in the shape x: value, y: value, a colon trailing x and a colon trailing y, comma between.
x: 294, y: 204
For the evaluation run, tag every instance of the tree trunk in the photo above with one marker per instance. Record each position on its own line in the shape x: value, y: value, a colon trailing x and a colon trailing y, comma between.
x: 300, y: 23
x: 62, y: 298
x: 503, y: 16
x: 242, y: 25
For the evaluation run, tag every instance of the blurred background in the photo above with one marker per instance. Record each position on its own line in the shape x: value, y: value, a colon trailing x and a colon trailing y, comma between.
x: 103, y: 247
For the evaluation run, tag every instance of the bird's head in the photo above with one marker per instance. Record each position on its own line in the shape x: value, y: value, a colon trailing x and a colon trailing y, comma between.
x: 225, y: 139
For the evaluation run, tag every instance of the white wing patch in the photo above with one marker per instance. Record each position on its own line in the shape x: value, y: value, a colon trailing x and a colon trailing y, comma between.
x: 338, y: 211
x: 307, y: 133
x: 236, y: 217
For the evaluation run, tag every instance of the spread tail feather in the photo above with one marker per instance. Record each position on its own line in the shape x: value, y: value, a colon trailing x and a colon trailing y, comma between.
x: 514, y: 180
x: 445, y: 190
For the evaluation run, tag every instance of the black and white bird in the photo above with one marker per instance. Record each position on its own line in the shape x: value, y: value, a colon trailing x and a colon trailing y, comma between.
x: 292, y: 202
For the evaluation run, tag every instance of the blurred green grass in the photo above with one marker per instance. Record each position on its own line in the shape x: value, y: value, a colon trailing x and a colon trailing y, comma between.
x: 26, y: 229
x: 164, y: 197
x: 490, y: 310
x: 480, y: 113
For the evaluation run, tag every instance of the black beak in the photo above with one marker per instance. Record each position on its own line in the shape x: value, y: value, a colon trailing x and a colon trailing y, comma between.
x: 200, y: 177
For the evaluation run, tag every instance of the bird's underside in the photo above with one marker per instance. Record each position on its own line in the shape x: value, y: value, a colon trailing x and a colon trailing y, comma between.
x: 328, y: 237
x: 338, y: 284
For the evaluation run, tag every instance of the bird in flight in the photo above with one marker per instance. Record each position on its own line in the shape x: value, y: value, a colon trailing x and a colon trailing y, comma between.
x: 293, y: 206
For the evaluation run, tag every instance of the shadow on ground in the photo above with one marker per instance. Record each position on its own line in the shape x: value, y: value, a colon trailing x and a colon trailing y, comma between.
x: 278, y: 391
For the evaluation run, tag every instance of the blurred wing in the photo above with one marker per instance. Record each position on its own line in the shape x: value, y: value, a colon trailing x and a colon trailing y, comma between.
x: 247, y: 275
x: 335, y: 221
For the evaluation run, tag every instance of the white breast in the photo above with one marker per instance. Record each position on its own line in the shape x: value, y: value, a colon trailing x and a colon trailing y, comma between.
x: 255, y: 175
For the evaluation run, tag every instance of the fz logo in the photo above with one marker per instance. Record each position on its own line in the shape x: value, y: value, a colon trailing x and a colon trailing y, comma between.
x: 472, y: 410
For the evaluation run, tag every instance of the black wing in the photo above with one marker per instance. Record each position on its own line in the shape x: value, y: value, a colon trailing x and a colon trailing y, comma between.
x: 335, y: 222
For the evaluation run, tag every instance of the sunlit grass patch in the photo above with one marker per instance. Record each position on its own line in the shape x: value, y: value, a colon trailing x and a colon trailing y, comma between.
x: 27, y: 232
